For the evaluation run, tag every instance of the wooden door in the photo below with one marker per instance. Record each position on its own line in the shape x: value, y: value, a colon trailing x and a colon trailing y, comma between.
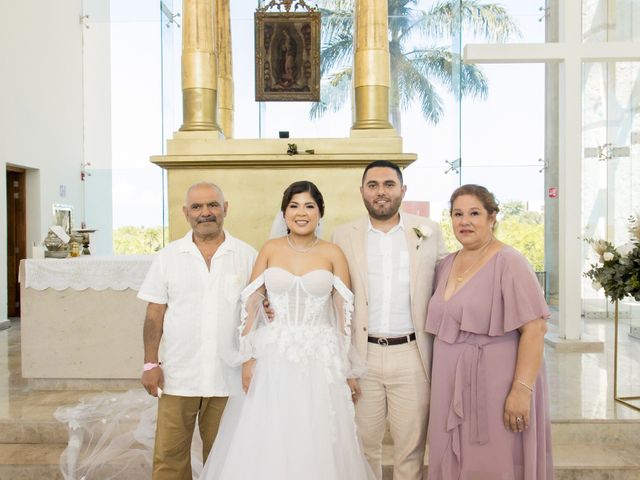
x: 16, y: 236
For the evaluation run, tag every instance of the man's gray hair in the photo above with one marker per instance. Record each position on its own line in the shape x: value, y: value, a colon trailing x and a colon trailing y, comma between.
x: 213, y: 186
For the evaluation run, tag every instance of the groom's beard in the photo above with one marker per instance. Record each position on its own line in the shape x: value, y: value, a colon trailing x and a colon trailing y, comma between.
x: 383, y: 211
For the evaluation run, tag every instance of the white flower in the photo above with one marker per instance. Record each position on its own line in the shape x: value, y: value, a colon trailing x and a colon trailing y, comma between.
x: 625, y: 249
x: 422, y: 232
x: 596, y: 285
x: 607, y: 256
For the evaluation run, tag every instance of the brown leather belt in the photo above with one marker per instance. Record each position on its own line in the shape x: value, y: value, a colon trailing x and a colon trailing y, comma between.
x: 392, y: 340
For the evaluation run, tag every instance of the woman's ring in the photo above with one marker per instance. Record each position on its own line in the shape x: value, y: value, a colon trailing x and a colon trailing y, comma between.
x: 518, y: 419
x: 353, y: 392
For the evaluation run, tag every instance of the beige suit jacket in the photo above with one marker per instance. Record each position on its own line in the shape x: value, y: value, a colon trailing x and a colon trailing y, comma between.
x: 352, y: 239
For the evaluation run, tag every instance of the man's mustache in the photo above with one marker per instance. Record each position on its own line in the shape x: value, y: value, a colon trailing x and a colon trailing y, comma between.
x: 212, y: 218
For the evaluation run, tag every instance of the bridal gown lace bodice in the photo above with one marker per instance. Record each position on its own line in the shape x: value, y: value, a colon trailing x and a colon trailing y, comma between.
x: 312, y: 317
x: 299, y: 300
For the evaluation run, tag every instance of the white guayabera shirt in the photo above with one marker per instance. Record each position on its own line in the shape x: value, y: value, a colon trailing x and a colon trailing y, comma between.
x: 202, y: 305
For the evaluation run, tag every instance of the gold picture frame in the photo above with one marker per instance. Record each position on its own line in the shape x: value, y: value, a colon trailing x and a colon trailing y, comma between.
x: 287, y: 56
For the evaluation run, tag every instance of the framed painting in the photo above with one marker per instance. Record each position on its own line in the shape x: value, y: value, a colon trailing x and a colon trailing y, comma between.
x: 63, y: 216
x: 287, y: 56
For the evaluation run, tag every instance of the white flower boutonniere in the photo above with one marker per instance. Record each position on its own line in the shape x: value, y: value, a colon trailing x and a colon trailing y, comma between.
x: 422, y: 232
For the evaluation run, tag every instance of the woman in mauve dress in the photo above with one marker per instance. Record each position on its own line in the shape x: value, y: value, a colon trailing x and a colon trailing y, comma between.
x: 489, y: 415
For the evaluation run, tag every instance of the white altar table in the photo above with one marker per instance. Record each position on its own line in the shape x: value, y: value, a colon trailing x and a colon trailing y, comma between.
x: 80, y: 318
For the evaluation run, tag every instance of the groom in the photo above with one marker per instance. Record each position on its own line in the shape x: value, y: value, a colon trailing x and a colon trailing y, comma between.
x: 392, y: 258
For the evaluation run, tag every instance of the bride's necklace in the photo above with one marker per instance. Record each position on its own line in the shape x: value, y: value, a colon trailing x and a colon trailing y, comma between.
x: 302, y: 250
x: 483, y: 249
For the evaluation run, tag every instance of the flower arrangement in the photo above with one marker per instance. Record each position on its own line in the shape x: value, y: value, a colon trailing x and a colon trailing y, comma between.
x: 618, y: 268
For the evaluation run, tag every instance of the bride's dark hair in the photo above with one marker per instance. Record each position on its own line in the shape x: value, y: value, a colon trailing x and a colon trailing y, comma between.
x: 301, y: 187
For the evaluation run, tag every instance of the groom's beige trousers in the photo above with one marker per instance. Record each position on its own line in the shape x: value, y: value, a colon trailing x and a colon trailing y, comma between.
x: 395, y: 387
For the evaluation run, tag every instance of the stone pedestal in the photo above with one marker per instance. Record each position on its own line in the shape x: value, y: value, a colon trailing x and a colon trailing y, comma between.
x: 254, y: 173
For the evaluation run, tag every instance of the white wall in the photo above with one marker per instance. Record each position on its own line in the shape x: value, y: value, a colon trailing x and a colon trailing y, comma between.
x: 42, y: 112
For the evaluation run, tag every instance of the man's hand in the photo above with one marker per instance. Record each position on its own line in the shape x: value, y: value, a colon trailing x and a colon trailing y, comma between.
x: 247, y: 373
x: 356, y: 393
x: 152, y: 380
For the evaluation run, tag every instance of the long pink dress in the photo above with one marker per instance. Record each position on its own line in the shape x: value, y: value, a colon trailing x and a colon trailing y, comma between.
x: 474, y: 358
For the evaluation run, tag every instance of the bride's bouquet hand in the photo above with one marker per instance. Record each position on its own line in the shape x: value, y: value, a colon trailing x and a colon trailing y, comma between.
x: 247, y: 373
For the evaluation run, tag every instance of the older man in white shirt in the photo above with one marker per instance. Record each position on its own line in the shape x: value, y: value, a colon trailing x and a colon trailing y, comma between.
x: 392, y: 258
x: 192, y: 288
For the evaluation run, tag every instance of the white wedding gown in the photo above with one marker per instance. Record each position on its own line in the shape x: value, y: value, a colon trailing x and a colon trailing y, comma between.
x: 297, y: 419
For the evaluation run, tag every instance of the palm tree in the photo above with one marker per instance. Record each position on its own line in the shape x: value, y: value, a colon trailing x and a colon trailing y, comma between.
x: 415, y: 69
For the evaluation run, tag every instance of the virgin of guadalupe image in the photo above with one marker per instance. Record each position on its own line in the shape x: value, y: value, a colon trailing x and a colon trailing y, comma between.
x: 287, y: 68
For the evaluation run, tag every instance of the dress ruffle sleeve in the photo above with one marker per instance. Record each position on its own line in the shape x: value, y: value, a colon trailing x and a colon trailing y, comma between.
x: 522, y: 299
x: 252, y: 317
x: 501, y: 297
x: 343, y: 310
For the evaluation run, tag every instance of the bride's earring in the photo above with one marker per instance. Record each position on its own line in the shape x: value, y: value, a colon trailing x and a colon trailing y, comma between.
x: 318, y: 229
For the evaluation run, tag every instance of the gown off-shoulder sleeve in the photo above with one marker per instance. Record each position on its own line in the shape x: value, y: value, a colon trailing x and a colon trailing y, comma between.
x: 343, y: 310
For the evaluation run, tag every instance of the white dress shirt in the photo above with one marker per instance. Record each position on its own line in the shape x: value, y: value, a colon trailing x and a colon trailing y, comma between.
x: 200, y: 304
x: 389, y: 287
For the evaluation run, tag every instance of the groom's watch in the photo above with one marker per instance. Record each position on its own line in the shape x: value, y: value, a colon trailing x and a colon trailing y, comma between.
x: 150, y: 366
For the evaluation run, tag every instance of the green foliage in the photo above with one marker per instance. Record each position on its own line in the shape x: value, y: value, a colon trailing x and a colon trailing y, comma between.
x: 517, y: 227
x: 525, y: 237
x: 516, y: 208
x: 131, y: 240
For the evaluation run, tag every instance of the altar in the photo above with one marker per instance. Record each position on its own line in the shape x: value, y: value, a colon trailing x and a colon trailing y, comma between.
x: 81, y: 318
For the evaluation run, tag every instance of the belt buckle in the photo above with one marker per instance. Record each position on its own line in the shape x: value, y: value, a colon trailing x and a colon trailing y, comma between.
x: 383, y: 342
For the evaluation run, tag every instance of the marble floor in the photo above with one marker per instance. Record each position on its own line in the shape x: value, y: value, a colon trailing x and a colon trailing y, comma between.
x: 581, y: 400
x: 581, y: 384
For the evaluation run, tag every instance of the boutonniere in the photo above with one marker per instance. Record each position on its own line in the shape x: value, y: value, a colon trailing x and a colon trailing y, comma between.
x: 422, y: 232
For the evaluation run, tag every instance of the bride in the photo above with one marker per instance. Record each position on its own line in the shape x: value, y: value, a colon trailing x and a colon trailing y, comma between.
x: 299, y: 372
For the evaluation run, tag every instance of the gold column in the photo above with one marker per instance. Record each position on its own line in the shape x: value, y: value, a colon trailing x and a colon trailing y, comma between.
x: 199, y: 66
x: 225, y: 70
x: 371, y: 65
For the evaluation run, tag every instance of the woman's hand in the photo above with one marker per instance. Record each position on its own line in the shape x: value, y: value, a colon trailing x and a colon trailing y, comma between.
x: 517, y: 408
x: 247, y: 373
x: 356, y: 393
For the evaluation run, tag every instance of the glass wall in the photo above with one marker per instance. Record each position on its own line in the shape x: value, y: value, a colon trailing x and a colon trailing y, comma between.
x: 137, y: 125
x: 611, y: 138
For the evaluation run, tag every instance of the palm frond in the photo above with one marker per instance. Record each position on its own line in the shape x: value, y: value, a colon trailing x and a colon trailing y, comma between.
x: 490, y: 21
x: 334, y: 92
x: 441, y: 63
x: 410, y: 84
x: 414, y: 73
x: 336, y: 54
x: 335, y: 23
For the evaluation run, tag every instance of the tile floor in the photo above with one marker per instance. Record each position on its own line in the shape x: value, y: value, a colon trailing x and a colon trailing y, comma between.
x: 594, y: 437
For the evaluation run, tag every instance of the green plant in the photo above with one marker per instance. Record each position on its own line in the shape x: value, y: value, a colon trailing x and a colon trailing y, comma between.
x: 133, y: 240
